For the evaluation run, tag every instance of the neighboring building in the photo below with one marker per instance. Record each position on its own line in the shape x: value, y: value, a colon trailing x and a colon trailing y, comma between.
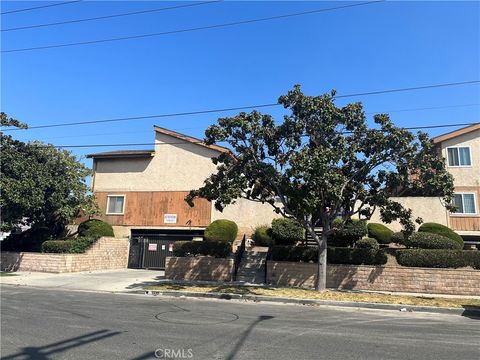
x: 461, y: 149
x: 143, y: 191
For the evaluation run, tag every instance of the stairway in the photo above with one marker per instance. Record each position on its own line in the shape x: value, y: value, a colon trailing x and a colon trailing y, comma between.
x: 309, y: 241
x: 252, y: 266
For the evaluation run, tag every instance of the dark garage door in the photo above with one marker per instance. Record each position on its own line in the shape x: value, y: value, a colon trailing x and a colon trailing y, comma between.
x: 149, y: 248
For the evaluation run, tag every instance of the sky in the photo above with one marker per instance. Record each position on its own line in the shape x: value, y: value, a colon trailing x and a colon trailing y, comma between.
x: 385, y: 45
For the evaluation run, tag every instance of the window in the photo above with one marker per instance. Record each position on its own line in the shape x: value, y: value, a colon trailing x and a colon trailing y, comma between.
x: 459, y: 156
x: 465, y: 203
x: 115, y: 204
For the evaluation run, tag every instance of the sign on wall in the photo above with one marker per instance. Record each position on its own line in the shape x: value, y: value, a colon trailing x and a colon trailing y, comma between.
x: 152, y: 247
x: 170, y: 218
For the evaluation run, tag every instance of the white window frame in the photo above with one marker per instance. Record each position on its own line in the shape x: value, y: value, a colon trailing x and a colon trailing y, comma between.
x: 108, y: 202
x: 457, y: 147
x: 474, y: 203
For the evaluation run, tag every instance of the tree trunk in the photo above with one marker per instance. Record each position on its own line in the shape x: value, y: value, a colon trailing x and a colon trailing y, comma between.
x: 321, y: 284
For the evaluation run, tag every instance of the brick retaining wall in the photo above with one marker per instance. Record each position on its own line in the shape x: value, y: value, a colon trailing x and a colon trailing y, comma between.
x: 106, y: 253
x: 198, y: 268
x: 377, y: 278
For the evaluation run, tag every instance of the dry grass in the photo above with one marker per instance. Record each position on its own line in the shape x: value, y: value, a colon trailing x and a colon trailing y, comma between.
x: 295, y: 293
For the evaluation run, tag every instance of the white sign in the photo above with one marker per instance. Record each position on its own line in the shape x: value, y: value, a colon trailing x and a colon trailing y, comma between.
x: 152, y: 247
x: 170, y: 218
x: 163, y: 247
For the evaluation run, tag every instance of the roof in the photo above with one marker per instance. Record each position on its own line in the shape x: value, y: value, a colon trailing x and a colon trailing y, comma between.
x: 190, y: 139
x: 122, y: 154
x: 453, y: 134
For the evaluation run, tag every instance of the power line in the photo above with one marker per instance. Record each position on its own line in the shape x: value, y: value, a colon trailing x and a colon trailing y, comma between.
x: 39, y: 7
x: 201, y: 142
x: 109, y: 16
x: 209, y: 111
x: 190, y: 29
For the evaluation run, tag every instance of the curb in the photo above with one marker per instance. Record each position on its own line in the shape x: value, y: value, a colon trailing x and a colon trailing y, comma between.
x: 348, y: 304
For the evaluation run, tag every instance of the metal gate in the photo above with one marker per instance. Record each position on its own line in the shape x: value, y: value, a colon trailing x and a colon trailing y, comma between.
x: 150, y: 248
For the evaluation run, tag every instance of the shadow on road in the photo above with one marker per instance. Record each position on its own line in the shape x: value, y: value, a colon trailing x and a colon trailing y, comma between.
x: 471, y: 311
x: 44, y: 352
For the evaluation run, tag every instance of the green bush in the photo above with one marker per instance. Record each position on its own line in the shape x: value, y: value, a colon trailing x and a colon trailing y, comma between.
x: 287, y: 231
x: 367, y: 243
x: 380, y: 232
x: 436, y: 258
x: 398, y: 237
x: 341, y: 255
x: 294, y: 253
x: 221, y: 230
x: 95, y: 228
x: 263, y: 236
x: 430, y: 241
x: 347, y: 234
x: 70, y: 246
x: 218, y: 249
x: 434, y: 228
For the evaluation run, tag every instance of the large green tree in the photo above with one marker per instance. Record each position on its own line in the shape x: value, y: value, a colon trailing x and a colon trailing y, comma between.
x: 40, y: 184
x: 321, y: 162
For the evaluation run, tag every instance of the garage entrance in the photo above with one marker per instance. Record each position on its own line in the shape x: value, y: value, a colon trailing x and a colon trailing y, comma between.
x: 149, y: 248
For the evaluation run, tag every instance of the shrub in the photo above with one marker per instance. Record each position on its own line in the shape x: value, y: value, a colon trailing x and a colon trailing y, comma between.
x: 434, y: 228
x: 398, y: 237
x: 436, y: 258
x: 95, y: 228
x: 263, y: 236
x: 221, y: 230
x: 71, y: 246
x: 218, y: 249
x: 367, y: 243
x: 341, y: 255
x: 57, y: 246
x: 286, y: 231
x: 380, y: 232
x: 430, y: 241
x: 294, y: 253
x: 348, y: 233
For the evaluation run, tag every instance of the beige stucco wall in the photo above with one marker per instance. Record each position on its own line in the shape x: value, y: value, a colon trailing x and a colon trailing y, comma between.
x: 181, y: 166
x: 247, y: 214
x: 430, y: 209
x: 465, y: 176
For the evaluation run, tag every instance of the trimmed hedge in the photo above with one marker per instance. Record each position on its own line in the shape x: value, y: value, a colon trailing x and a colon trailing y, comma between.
x: 435, y: 258
x: 434, y: 228
x: 287, y: 231
x: 347, y: 234
x: 95, y: 228
x: 367, y: 243
x: 218, y: 249
x: 73, y: 246
x: 398, y: 237
x: 380, y: 232
x: 334, y: 255
x: 263, y: 236
x: 431, y: 241
x: 221, y: 230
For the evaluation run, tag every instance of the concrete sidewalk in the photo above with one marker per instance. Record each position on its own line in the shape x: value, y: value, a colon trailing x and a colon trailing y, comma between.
x: 122, y: 280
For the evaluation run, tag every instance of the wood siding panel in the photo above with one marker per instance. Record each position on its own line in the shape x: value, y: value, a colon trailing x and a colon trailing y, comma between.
x: 466, y: 222
x: 147, y: 208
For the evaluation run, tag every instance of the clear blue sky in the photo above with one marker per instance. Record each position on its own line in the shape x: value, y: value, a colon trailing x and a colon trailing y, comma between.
x: 374, y: 47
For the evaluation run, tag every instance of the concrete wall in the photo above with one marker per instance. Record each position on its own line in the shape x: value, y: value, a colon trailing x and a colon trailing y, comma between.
x: 430, y: 209
x: 377, y: 278
x: 181, y: 166
x: 106, y: 253
x: 199, y: 268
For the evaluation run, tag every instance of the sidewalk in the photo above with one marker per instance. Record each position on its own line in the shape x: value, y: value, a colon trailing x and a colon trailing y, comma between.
x: 123, y: 280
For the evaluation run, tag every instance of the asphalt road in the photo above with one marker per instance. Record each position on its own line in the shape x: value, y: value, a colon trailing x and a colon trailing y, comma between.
x: 54, y: 324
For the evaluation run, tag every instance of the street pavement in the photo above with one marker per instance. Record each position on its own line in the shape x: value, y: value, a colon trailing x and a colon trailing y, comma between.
x: 102, y: 280
x: 57, y: 324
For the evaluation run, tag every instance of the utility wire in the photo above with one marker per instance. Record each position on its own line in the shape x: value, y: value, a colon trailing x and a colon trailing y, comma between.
x: 201, y: 142
x: 190, y: 29
x: 39, y: 7
x: 109, y: 16
x: 209, y: 111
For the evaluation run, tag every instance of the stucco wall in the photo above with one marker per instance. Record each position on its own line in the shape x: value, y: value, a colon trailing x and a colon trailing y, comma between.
x: 181, y: 166
x: 465, y: 176
x: 199, y: 268
x: 430, y: 209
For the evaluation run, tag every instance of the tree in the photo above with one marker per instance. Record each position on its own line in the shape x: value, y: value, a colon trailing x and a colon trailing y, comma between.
x: 322, y: 162
x: 40, y: 184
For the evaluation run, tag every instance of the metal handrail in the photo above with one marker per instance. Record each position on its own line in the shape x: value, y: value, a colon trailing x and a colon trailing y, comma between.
x: 238, y: 257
